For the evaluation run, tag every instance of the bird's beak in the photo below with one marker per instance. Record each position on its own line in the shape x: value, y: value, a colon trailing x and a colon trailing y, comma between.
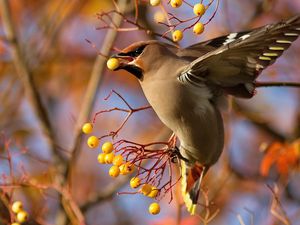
x: 124, y: 60
x: 129, y: 64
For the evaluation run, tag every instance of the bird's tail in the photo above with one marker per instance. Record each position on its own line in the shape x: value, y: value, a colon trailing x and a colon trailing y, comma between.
x: 190, y: 184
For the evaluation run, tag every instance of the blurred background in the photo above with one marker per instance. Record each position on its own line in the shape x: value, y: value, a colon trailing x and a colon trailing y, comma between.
x: 49, y: 77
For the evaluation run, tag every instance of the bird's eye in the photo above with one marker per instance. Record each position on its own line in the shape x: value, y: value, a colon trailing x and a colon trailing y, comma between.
x: 138, y: 51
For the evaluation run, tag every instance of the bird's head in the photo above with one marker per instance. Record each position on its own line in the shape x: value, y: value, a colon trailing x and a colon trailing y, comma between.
x: 140, y: 57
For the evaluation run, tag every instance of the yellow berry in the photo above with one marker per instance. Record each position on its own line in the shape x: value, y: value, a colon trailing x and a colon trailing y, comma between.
x: 101, y: 158
x: 198, y: 28
x: 159, y: 17
x: 15, y: 223
x: 107, y: 147
x: 176, y: 3
x: 153, y: 193
x: 129, y: 167
x: 114, y: 171
x: 135, y: 182
x: 154, y: 208
x: 112, y: 63
x: 22, y: 216
x: 87, y: 128
x: 146, y: 189
x: 17, y: 206
x: 109, y: 158
x: 126, y: 168
x: 154, y: 2
x: 199, y: 9
x: 177, y: 35
x: 93, y: 142
x: 118, y: 160
x: 123, y: 170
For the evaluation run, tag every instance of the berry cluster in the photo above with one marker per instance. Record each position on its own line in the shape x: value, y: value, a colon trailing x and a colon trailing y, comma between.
x: 199, y: 9
x: 127, y: 157
x: 202, y: 13
x: 21, y: 214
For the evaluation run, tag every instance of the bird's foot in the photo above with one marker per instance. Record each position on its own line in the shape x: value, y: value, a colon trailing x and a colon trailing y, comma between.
x: 175, y: 155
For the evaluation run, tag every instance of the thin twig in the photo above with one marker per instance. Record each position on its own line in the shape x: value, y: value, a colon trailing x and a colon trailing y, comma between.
x: 240, y: 219
x: 278, y: 84
x: 277, y: 209
x: 105, y: 194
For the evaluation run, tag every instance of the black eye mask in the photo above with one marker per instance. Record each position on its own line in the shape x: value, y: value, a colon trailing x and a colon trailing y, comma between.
x: 135, y: 53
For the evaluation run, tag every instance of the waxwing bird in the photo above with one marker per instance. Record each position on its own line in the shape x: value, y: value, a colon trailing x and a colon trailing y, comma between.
x: 184, y: 87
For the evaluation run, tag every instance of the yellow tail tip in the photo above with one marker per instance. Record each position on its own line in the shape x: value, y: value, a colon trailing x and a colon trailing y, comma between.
x: 192, y: 209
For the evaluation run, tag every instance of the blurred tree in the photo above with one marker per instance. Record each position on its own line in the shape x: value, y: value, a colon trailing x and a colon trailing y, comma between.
x: 52, y: 81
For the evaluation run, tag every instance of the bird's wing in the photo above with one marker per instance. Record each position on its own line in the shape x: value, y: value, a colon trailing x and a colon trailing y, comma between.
x: 195, y: 51
x: 236, y: 64
x: 220, y: 41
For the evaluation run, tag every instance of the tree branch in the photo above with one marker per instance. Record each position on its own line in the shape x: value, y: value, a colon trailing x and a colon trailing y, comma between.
x: 93, y: 87
x: 258, y: 121
x: 277, y: 84
x: 105, y: 194
x: 26, y: 78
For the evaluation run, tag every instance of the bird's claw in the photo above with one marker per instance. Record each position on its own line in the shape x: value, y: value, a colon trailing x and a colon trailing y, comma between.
x: 175, y: 155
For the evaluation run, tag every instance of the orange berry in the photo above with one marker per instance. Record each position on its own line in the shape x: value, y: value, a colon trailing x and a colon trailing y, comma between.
x: 107, y: 147
x: 93, y: 142
x: 123, y: 170
x: 109, y: 158
x: 199, y: 9
x: 154, y: 208
x: 146, y: 189
x: 177, y: 35
x: 126, y: 168
x: 176, y: 3
x: 154, y: 2
x: 130, y: 167
x: 17, y: 206
x: 118, y: 160
x: 114, y: 171
x: 198, y: 28
x: 87, y: 128
x: 159, y: 17
x: 135, y: 182
x: 22, y: 216
x: 113, y: 63
x: 101, y: 158
x: 153, y: 193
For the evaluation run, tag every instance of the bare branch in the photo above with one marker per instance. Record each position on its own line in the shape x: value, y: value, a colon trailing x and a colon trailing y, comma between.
x: 26, y: 77
x: 105, y: 194
x: 277, y: 84
x: 258, y: 121
x: 130, y: 111
x: 277, y: 209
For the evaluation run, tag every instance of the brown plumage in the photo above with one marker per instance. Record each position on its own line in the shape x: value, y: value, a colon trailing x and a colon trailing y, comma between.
x: 184, y: 86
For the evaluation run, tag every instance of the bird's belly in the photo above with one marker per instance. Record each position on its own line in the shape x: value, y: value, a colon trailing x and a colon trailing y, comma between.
x: 165, y: 100
x: 202, y: 136
x: 190, y: 115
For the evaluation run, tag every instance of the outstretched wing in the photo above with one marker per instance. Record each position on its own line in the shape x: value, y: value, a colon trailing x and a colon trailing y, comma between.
x: 241, y: 57
x: 195, y: 51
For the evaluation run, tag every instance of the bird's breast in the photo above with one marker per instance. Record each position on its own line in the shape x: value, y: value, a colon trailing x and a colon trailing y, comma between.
x: 189, y: 113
